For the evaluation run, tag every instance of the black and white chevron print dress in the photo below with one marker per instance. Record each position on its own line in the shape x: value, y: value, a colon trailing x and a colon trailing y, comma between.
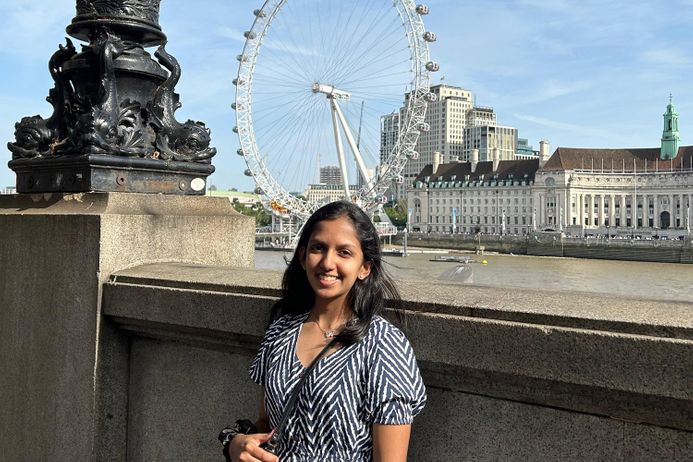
x: 375, y: 380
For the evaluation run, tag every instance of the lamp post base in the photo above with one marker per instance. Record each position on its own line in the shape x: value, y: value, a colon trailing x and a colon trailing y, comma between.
x: 106, y: 173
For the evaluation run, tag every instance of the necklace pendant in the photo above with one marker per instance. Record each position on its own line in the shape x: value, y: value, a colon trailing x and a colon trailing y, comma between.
x: 329, y: 333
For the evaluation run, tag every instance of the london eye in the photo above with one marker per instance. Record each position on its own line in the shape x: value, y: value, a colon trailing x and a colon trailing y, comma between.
x: 314, y: 79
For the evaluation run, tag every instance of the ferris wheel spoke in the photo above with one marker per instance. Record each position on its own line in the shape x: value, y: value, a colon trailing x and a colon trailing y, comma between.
x: 349, y: 63
x: 342, y: 34
x: 356, y: 34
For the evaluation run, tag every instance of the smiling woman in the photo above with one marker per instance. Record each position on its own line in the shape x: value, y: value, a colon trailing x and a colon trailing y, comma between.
x: 356, y: 402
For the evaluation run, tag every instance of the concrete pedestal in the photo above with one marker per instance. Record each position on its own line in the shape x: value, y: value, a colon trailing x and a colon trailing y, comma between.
x: 63, y: 385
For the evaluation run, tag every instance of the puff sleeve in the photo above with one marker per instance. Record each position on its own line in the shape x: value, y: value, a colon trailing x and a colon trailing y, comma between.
x: 395, y: 389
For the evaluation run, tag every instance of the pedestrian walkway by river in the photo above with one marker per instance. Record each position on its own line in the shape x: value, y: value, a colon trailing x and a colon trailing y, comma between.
x: 660, y: 281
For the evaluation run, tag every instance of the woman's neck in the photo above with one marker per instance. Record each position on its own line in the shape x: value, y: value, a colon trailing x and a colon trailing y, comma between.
x: 331, y: 316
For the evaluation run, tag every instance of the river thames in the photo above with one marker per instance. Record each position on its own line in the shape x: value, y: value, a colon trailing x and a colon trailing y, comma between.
x: 659, y: 281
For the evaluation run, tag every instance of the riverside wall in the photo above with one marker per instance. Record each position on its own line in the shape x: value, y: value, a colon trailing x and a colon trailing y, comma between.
x: 511, y: 374
x: 555, y: 245
x: 128, y: 323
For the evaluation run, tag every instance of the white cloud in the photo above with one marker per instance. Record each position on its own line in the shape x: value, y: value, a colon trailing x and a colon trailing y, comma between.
x: 554, y: 89
x: 231, y: 33
x: 586, y: 131
x: 667, y: 57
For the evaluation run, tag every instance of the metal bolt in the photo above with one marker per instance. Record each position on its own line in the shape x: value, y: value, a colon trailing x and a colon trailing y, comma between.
x: 120, y: 179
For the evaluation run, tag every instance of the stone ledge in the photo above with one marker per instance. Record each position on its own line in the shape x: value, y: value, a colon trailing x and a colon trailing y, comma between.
x: 492, y: 351
x: 666, y: 319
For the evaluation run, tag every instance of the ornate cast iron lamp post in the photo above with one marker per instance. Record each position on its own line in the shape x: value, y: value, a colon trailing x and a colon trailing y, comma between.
x: 113, y: 126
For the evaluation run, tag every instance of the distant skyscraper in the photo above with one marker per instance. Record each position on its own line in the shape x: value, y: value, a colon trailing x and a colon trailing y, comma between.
x: 478, y: 116
x: 447, y: 118
x: 486, y: 137
x: 389, y: 132
x: 330, y: 174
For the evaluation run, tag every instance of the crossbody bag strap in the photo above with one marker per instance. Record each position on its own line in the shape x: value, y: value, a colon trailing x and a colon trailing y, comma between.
x: 279, y: 430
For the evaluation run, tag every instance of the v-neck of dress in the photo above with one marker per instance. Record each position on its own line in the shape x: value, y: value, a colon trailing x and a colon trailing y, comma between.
x: 294, y: 347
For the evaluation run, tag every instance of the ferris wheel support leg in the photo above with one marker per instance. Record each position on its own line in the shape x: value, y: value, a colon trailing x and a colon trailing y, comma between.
x: 340, y: 147
x: 352, y: 144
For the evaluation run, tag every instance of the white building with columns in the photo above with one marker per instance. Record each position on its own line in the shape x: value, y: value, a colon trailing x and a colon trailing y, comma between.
x: 616, y: 192
x: 641, y: 192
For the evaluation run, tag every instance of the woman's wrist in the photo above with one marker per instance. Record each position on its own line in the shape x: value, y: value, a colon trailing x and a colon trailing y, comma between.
x: 227, y: 435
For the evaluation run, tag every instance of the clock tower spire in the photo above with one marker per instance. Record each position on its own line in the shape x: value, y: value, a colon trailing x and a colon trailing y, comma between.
x: 670, y: 135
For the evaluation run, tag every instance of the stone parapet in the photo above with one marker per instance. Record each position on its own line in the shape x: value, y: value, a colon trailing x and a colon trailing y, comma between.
x: 65, y: 381
x: 511, y: 374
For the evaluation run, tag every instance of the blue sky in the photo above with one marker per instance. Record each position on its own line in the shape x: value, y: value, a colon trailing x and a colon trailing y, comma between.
x: 578, y: 73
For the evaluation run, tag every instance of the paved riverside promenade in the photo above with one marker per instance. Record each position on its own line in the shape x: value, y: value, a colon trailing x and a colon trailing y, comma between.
x: 128, y: 323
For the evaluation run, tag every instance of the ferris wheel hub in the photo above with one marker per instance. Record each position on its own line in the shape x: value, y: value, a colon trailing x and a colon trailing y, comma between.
x: 330, y: 91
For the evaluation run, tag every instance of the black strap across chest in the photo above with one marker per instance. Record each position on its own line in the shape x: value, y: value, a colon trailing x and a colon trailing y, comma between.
x: 279, y: 430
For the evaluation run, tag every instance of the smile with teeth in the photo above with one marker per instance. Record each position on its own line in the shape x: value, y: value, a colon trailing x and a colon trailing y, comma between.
x: 327, y: 277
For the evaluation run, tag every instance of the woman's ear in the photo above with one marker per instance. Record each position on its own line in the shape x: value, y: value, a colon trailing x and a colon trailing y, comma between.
x: 365, y: 270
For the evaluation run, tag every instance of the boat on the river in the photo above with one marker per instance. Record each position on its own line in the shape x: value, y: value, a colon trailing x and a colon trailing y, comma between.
x: 453, y: 259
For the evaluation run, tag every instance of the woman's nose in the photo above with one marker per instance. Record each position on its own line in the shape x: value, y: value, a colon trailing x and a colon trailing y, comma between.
x: 327, y: 261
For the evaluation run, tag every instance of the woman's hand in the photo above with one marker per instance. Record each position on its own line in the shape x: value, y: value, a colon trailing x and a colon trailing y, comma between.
x: 246, y: 448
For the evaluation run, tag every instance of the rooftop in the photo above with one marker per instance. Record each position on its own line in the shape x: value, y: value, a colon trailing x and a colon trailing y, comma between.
x: 624, y: 159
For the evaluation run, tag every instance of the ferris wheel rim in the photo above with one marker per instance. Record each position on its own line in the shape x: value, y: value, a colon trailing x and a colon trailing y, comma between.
x: 275, y: 195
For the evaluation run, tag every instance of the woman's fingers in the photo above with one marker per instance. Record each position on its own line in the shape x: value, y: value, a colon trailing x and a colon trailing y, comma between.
x: 246, y: 448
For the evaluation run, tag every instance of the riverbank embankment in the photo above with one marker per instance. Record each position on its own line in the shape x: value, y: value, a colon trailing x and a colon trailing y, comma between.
x: 557, y: 245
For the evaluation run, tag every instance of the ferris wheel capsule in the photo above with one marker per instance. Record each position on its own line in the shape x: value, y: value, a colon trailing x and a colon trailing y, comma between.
x: 237, y: 82
x: 432, y: 66
x: 382, y: 200
x: 399, y: 179
x: 431, y: 97
x: 259, y: 13
x: 241, y: 58
x: 247, y: 172
x: 413, y: 155
x: 235, y: 129
x: 429, y: 36
x: 239, y: 151
x: 249, y: 35
x: 423, y: 127
x: 259, y: 191
x: 234, y: 106
x: 422, y: 9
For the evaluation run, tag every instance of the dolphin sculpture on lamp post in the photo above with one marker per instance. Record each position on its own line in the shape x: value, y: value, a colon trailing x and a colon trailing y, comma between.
x: 113, y: 126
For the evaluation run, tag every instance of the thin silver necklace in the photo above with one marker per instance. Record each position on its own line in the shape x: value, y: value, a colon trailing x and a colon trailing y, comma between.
x: 328, y: 333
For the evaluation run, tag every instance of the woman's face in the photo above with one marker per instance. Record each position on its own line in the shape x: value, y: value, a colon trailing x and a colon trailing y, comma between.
x: 333, y: 260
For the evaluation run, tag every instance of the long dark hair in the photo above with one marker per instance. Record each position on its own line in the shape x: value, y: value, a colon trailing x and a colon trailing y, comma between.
x: 366, y: 298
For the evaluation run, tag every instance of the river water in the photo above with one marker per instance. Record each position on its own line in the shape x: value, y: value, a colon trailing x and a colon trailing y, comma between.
x: 659, y: 281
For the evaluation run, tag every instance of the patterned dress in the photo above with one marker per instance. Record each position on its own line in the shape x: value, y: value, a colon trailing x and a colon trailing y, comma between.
x: 372, y: 381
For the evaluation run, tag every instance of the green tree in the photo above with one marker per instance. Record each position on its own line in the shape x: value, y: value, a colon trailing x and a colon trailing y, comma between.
x: 398, y: 213
x: 262, y: 217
